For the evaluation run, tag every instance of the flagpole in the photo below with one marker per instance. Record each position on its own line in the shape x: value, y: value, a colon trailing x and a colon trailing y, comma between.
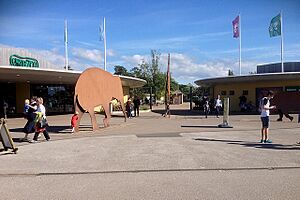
x: 168, y: 90
x: 240, y: 46
x: 104, y: 41
x: 281, y: 26
x: 66, y: 46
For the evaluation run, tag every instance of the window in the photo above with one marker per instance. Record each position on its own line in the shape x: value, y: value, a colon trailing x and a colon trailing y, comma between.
x: 231, y: 92
x: 57, y: 98
x: 245, y: 92
x: 223, y: 92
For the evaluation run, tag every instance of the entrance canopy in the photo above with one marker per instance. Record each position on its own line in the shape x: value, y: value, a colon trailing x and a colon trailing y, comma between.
x: 14, y: 74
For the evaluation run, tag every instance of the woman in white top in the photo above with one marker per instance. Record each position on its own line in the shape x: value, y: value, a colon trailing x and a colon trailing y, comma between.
x: 41, y: 108
x: 218, y: 106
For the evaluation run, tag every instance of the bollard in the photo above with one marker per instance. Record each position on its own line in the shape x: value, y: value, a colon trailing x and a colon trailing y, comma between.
x: 225, y: 123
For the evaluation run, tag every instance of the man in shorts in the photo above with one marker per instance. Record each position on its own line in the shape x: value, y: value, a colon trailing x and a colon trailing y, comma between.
x: 265, y: 116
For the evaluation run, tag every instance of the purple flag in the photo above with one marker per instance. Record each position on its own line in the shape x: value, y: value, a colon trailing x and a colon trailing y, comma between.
x: 236, y: 27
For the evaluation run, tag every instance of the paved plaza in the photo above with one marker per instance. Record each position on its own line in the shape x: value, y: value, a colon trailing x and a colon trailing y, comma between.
x: 152, y: 157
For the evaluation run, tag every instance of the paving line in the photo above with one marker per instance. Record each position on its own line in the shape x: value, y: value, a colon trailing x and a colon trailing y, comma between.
x: 147, y: 171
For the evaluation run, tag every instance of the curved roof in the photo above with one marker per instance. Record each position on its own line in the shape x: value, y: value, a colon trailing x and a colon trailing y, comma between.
x: 47, y: 73
x: 53, y: 76
x: 249, y: 78
x: 132, y: 82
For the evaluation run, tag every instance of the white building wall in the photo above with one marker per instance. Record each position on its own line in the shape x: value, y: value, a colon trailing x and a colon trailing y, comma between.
x: 5, y: 53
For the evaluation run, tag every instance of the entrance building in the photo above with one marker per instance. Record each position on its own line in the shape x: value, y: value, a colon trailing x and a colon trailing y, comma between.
x: 250, y: 88
x: 23, y: 75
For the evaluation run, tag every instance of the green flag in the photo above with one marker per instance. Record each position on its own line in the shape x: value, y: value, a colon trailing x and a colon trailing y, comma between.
x: 275, y: 26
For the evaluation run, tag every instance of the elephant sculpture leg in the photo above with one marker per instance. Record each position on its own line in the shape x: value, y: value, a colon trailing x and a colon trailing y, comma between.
x: 107, y: 115
x: 93, y: 119
x: 123, y: 110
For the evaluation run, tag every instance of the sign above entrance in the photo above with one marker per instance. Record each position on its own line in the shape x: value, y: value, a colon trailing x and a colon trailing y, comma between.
x: 16, y: 60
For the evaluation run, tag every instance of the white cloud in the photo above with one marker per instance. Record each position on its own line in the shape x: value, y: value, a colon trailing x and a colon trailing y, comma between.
x: 52, y: 56
x: 186, y: 70
x: 134, y: 60
x: 93, y: 55
x: 111, y: 53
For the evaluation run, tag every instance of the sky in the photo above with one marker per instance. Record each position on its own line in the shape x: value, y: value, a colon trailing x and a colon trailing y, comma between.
x: 197, y: 34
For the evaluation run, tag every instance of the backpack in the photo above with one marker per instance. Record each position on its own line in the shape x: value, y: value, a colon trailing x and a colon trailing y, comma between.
x: 261, y: 104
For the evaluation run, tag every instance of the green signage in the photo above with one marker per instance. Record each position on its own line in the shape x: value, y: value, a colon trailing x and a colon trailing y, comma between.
x: 16, y: 60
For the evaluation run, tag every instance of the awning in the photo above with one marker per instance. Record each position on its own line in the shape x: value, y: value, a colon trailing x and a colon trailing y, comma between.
x: 52, y: 76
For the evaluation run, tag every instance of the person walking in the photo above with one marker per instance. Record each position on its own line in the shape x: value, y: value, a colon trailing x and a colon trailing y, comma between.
x: 218, y: 106
x: 280, y: 113
x: 136, y: 106
x: 31, y: 114
x: 265, y: 116
x: 206, y: 107
x: 40, y: 121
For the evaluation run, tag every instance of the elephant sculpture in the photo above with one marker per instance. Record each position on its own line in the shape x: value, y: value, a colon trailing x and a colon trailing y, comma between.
x: 96, y: 87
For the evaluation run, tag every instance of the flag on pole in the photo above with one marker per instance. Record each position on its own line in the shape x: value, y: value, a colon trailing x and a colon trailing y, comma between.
x: 236, y: 27
x: 103, y: 38
x: 169, y: 79
x: 275, y: 26
x: 66, y: 32
x: 168, y: 90
x: 101, y: 29
x: 66, y: 45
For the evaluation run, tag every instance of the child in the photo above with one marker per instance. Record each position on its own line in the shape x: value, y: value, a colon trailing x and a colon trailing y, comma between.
x: 128, y: 108
x: 74, y: 121
x: 26, y: 107
x: 206, y: 108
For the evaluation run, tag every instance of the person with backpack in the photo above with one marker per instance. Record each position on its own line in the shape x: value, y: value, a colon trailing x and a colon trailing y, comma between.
x: 265, y: 116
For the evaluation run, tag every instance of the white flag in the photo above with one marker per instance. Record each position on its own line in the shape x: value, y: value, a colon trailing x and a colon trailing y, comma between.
x: 102, y: 30
x: 66, y: 32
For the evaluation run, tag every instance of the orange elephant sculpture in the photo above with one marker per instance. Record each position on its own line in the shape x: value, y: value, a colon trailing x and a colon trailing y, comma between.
x: 96, y: 87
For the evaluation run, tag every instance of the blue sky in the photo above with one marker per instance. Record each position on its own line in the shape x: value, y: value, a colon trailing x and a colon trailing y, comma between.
x: 198, y: 34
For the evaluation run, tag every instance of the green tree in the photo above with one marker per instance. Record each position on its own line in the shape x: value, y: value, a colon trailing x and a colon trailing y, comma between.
x: 154, y: 77
x: 120, y: 70
x: 185, y: 89
x: 174, y: 84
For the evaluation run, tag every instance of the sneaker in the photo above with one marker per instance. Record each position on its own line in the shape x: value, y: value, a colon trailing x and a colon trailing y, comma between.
x: 33, y: 141
x: 279, y: 120
x: 25, y: 139
x: 262, y: 141
x: 268, y: 141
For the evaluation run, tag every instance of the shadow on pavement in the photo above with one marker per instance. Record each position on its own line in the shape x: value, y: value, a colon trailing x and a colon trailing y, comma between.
x: 55, y: 129
x: 272, y: 146
x: 179, y: 112
x: 199, y: 126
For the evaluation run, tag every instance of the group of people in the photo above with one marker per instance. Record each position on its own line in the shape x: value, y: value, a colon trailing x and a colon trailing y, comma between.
x: 217, y: 106
x: 244, y: 105
x: 135, y: 107
x: 35, y: 113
